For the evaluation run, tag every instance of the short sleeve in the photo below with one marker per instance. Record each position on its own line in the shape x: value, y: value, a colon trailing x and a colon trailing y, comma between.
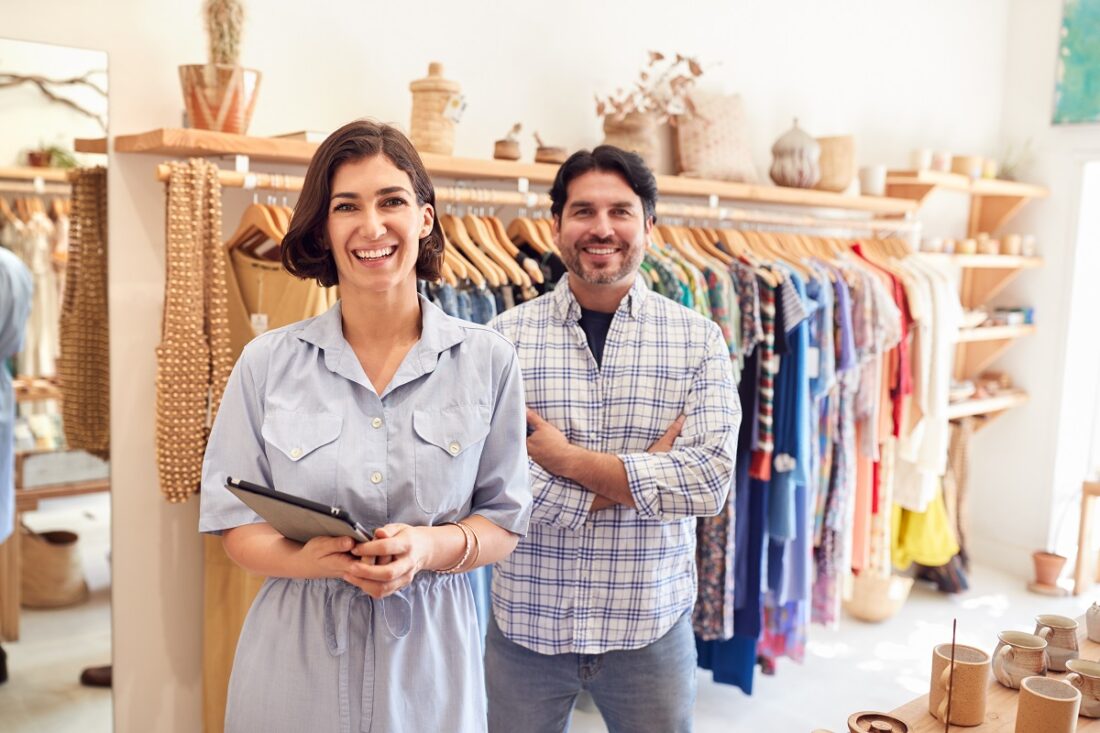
x: 501, y: 492
x: 235, y: 448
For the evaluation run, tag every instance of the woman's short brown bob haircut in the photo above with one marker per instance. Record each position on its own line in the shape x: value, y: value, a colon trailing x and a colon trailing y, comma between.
x: 306, y: 250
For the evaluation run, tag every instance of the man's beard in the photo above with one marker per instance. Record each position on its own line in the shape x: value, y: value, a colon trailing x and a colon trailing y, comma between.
x: 571, y: 256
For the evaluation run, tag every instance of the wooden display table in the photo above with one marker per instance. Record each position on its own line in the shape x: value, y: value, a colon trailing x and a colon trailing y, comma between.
x: 1000, y: 706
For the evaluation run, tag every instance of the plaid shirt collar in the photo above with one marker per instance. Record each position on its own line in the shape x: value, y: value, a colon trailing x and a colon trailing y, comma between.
x: 568, y: 310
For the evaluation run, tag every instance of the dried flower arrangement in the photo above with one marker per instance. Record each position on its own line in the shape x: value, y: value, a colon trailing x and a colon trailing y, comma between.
x: 663, y: 88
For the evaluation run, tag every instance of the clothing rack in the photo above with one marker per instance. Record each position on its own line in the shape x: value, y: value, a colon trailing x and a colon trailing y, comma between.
x: 496, y: 197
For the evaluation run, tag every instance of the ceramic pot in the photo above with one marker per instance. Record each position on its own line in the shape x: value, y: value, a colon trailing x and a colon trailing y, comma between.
x: 1048, y: 567
x: 796, y: 158
x: 220, y: 98
x: 1092, y: 622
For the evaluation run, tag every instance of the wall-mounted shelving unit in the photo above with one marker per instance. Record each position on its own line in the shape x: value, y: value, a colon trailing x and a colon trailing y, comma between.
x: 992, y: 203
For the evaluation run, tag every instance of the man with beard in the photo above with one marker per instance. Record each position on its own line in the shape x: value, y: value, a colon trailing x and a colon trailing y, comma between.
x: 632, y: 421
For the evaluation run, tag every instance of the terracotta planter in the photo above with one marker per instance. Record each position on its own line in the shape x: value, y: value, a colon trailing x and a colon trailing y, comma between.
x: 219, y: 98
x: 39, y: 158
x: 1048, y: 567
x: 636, y: 132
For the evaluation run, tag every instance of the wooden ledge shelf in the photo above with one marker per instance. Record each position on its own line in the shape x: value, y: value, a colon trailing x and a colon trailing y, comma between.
x: 181, y: 143
x: 993, y: 201
x: 987, y: 262
x: 29, y: 390
x: 987, y: 406
x: 27, y: 173
x: 927, y: 181
x: 90, y: 145
x: 994, y: 333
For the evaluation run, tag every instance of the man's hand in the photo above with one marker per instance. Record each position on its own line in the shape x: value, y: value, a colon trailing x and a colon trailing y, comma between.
x: 548, y: 446
x: 661, y: 445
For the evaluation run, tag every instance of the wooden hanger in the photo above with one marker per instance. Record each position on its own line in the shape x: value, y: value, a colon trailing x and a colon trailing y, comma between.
x: 523, y: 230
x: 458, y: 237
x: 462, y: 267
x: 496, y: 226
x: 543, y: 228
x: 706, y: 239
x: 448, y: 274
x: 486, y: 240
x: 257, y: 226
x: 5, y: 211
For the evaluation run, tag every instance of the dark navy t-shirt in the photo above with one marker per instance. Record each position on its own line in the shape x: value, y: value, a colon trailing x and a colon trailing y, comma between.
x: 596, y: 326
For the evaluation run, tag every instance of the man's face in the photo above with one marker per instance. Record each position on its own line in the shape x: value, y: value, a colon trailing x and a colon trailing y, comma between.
x: 602, y: 230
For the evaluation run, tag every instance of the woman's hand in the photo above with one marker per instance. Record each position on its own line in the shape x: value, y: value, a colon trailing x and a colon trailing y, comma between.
x: 326, y: 557
x: 391, y: 560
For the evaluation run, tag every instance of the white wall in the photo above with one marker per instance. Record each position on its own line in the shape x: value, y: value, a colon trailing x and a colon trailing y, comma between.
x: 29, y: 118
x: 1028, y: 466
x: 896, y: 74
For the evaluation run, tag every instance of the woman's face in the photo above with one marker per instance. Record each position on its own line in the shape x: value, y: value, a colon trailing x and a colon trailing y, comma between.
x: 374, y: 226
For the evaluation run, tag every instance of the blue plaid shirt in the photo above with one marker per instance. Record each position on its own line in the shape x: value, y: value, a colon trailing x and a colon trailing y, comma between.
x: 618, y: 578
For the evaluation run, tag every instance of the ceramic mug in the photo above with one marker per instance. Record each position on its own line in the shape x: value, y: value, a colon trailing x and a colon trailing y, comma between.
x: 1047, y: 705
x: 872, y: 180
x: 1085, y: 676
x: 970, y: 682
x: 921, y: 159
x: 1019, y: 655
x: 1060, y: 633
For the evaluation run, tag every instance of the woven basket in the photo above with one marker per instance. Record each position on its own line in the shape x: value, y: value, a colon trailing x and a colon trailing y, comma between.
x: 220, y: 98
x: 714, y: 142
x: 636, y: 132
x: 875, y: 598
x: 51, y: 573
x: 837, y: 163
x: 432, y: 130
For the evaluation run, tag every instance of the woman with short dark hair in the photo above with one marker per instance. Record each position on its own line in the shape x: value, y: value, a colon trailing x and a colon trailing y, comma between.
x: 410, y: 420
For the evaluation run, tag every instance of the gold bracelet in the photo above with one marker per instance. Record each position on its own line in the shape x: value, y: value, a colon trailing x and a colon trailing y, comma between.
x: 466, y: 534
x: 477, y: 544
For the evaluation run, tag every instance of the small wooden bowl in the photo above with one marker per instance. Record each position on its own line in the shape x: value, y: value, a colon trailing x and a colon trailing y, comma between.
x: 550, y: 154
x: 506, y: 150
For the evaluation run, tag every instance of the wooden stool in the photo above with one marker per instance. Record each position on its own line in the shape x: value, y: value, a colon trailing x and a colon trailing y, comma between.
x: 1089, y: 491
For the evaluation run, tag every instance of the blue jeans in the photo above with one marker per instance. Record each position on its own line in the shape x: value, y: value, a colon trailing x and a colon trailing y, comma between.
x: 647, y: 690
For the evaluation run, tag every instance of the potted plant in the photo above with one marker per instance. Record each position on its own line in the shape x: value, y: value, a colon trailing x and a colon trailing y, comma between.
x: 660, y: 95
x: 50, y: 156
x: 221, y: 95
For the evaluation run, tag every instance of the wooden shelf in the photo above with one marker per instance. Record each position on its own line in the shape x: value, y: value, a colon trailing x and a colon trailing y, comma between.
x: 987, y: 405
x: 181, y: 143
x: 90, y: 145
x: 987, y: 262
x: 29, y: 390
x: 906, y: 182
x: 27, y: 173
x: 993, y: 201
x: 994, y: 333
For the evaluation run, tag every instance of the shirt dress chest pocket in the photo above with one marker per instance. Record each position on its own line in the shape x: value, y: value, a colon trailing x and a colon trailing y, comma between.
x: 301, y: 450
x: 447, y: 453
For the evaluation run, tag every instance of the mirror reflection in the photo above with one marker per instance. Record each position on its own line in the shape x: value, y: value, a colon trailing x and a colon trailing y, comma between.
x: 55, y: 632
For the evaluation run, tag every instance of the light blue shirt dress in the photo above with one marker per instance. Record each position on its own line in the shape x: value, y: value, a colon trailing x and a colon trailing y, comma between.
x: 16, y: 288
x: 445, y: 439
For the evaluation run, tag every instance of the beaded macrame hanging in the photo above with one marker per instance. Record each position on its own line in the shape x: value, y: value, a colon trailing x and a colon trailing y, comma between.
x: 193, y: 358
x: 84, y: 362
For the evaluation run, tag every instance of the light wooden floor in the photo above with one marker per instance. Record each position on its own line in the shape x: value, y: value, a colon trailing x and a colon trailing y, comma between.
x: 858, y: 667
x: 43, y: 693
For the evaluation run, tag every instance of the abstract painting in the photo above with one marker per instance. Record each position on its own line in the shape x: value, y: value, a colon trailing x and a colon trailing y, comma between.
x: 1077, y: 87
